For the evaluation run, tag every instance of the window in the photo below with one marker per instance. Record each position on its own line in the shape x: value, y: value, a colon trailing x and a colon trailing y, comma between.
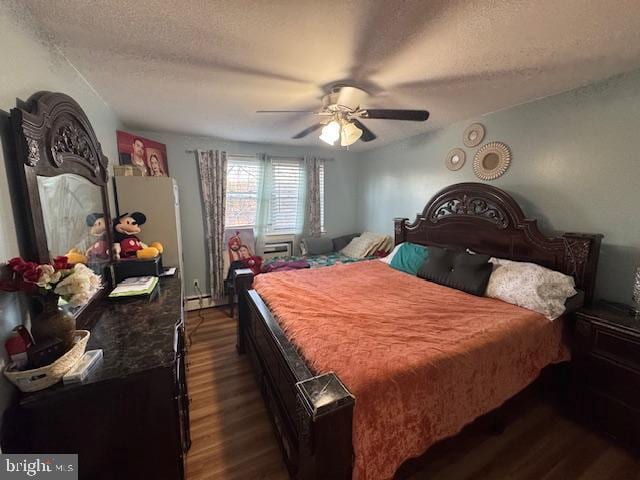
x: 321, y: 181
x: 244, y: 178
x: 286, y: 208
x: 268, y: 194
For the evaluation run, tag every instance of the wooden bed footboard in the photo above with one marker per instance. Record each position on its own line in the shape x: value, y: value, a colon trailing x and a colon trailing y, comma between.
x: 312, y: 414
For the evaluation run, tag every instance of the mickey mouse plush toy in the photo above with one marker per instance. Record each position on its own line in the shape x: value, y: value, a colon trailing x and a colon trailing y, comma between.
x: 95, y: 248
x: 99, y: 250
x: 127, y: 245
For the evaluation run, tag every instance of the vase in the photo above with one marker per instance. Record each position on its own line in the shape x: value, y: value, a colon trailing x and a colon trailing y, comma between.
x: 53, y: 322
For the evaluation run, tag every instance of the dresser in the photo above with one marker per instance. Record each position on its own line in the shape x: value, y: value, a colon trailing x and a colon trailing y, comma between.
x: 606, y: 370
x: 130, y: 418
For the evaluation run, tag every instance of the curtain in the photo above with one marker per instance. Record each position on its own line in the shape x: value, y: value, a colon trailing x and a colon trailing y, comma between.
x: 212, y: 165
x: 314, y: 227
x: 262, y: 208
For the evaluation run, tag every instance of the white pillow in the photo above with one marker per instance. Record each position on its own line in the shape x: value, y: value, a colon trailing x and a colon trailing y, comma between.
x: 356, y: 248
x: 389, y: 257
x: 364, y: 245
x: 530, y: 286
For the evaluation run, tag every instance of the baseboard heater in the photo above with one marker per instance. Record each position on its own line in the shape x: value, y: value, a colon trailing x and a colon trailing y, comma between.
x: 193, y: 302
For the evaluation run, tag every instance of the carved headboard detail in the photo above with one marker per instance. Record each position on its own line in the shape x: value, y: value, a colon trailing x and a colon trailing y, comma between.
x: 488, y: 220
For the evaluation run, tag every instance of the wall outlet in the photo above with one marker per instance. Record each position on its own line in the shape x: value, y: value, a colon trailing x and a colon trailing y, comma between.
x: 196, y: 283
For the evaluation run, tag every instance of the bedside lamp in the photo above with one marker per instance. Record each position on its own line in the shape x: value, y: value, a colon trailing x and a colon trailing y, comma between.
x: 636, y: 293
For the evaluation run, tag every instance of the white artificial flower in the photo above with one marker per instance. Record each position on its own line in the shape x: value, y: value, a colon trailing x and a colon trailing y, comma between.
x: 48, y: 276
x: 80, y: 298
x: 79, y: 286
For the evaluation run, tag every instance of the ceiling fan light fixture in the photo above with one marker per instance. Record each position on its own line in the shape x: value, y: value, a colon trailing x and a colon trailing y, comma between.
x: 330, y: 132
x: 350, y: 134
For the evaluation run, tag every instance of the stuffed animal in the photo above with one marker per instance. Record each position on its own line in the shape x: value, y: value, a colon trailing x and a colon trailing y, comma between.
x: 75, y: 256
x: 99, y: 249
x: 127, y: 244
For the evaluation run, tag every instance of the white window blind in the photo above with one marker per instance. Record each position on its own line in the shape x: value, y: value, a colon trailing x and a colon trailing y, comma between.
x: 244, y: 178
x: 321, y: 181
x: 286, y: 206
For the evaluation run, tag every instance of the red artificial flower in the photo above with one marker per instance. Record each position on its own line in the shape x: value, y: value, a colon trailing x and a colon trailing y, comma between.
x: 31, y: 273
x: 15, y: 263
x: 27, y: 287
x: 25, y: 266
x: 8, y: 286
x: 61, y: 263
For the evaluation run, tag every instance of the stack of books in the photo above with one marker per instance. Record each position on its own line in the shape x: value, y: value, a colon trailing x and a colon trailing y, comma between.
x: 134, y: 286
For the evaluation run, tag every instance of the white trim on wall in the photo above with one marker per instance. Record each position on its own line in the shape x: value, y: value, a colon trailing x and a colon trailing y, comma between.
x: 193, y: 302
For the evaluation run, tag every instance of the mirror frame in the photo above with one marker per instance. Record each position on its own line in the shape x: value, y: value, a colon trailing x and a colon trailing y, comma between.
x: 53, y: 136
x: 504, y: 160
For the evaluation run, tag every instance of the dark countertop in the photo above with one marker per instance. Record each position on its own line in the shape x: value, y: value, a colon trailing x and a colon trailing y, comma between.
x: 612, y: 313
x: 135, y: 334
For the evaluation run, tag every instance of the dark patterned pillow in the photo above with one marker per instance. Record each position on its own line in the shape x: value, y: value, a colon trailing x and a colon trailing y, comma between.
x: 457, y: 269
x: 318, y: 246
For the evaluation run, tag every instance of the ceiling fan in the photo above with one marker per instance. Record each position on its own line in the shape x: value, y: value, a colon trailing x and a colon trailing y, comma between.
x: 342, y: 112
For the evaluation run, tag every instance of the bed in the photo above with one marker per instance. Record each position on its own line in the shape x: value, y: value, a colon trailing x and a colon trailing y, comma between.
x: 355, y: 362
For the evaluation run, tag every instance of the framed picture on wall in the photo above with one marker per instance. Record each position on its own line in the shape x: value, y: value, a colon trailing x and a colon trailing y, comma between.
x: 148, y: 155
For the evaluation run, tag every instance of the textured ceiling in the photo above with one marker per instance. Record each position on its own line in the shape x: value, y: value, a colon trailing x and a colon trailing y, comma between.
x: 203, y: 67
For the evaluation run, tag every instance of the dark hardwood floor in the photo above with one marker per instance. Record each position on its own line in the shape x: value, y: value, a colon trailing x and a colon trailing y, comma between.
x: 232, y: 436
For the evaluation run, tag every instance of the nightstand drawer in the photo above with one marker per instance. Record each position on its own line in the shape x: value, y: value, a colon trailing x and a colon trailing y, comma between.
x: 620, y: 384
x: 618, y: 347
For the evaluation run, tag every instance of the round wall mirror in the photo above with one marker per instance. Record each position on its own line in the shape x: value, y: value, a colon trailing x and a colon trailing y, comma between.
x: 473, y: 135
x: 455, y: 159
x: 491, y: 161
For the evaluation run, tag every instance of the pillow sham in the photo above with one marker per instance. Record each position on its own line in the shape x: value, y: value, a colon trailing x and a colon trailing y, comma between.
x: 530, y: 286
x: 356, y: 248
x: 364, y: 245
x: 409, y: 258
x: 376, y: 242
x: 316, y: 245
x: 457, y: 269
x: 340, y: 242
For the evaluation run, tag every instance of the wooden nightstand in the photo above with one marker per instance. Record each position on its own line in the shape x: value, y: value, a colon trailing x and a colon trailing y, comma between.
x: 606, y: 370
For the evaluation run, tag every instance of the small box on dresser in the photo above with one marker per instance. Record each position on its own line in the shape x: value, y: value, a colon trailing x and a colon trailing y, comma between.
x: 606, y: 370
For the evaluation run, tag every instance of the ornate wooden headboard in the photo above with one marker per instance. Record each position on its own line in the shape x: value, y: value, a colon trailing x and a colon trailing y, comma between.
x: 488, y: 220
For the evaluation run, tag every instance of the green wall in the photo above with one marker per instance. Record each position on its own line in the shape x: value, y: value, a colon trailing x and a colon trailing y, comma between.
x: 575, y: 167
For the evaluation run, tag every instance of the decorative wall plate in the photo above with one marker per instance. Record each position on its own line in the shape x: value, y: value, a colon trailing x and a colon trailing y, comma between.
x: 455, y: 159
x: 491, y: 161
x: 473, y: 135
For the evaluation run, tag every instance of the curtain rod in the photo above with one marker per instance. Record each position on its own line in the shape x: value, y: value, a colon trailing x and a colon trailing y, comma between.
x: 248, y: 155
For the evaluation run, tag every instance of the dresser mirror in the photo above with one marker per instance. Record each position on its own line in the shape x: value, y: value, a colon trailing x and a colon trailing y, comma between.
x: 67, y: 201
x: 61, y: 178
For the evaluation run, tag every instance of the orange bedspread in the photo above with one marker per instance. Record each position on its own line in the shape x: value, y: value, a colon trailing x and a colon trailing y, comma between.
x: 422, y: 360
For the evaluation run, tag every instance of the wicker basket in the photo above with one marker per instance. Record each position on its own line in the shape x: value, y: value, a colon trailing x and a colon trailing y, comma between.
x: 43, y: 377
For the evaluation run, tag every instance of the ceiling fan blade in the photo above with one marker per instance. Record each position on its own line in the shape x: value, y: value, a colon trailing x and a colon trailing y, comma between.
x: 307, y: 131
x: 385, y: 114
x: 367, y: 135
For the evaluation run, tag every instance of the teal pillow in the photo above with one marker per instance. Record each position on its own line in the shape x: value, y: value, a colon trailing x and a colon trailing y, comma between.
x: 409, y: 258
